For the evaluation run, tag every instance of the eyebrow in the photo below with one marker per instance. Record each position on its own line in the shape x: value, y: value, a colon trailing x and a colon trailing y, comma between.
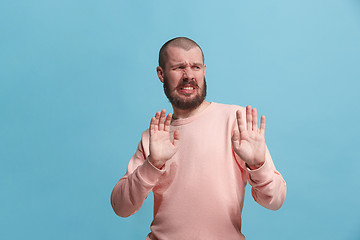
x: 181, y: 64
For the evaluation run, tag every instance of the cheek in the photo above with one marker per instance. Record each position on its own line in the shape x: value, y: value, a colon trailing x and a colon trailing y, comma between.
x: 172, y: 83
x: 200, y: 79
x: 174, y: 78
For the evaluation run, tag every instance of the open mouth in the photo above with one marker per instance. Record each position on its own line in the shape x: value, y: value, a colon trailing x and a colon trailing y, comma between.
x: 187, y: 89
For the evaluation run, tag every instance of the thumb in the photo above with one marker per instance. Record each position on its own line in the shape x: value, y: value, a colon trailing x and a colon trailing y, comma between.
x: 176, y: 137
x: 235, y: 135
x: 235, y: 138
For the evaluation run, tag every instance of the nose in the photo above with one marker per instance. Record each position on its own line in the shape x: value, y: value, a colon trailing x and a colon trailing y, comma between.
x: 189, y: 74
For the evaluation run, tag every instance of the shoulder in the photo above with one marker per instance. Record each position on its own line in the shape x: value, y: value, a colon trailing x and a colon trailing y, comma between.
x: 227, y: 113
x: 224, y: 117
x: 228, y: 108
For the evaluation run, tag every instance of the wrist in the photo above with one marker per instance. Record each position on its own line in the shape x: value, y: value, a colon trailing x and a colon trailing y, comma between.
x: 254, y: 166
x: 158, y: 164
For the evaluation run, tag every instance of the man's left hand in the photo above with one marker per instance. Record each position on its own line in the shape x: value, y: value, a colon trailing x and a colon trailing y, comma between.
x: 248, y: 140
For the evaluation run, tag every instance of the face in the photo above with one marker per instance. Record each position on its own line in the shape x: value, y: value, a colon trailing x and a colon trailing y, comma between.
x: 184, y: 77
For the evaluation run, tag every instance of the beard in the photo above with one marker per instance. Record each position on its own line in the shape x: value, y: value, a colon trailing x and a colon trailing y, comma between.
x: 181, y: 103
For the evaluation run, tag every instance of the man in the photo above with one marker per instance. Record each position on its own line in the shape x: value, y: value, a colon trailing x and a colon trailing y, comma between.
x: 197, y: 160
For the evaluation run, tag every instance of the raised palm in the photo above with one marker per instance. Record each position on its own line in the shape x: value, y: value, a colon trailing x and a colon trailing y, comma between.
x: 162, y: 148
x: 248, y: 140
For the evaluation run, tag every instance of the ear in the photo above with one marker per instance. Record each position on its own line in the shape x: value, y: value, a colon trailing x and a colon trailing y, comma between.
x: 204, y: 69
x: 160, y: 74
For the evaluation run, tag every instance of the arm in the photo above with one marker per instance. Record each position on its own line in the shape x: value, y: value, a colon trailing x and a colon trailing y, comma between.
x: 144, y: 169
x: 268, y: 186
x: 131, y: 190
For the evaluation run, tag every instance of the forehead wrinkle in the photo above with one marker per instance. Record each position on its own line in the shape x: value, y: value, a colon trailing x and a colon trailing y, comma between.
x: 176, y: 64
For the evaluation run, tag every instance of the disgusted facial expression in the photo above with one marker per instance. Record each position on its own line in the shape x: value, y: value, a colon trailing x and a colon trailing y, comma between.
x: 184, y: 77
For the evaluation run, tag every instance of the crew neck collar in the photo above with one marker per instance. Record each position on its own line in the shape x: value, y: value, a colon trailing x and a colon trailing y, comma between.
x: 182, y: 121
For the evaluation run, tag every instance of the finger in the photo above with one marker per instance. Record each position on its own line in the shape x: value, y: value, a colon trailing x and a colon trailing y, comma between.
x: 167, y: 122
x: 153, y: 126
x: 248, y: 118
x: 254, y: 120
x: 240, y: 122
x: 156, y: 121
x: 162, y: 119
x: 262, y: 124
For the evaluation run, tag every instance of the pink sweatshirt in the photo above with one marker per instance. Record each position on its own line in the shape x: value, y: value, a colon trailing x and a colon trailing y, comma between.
x: 200, y: 192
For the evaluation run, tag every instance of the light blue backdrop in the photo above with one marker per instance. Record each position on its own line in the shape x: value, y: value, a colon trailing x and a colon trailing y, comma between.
x: 78, y: 86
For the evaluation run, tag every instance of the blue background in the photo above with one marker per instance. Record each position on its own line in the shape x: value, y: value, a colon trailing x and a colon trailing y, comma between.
x: 78, y: 86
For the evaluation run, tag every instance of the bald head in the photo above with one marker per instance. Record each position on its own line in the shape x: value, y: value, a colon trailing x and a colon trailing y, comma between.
x: 180, y: 42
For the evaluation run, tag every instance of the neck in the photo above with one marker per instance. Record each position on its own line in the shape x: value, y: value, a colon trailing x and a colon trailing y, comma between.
x: 181, y: 113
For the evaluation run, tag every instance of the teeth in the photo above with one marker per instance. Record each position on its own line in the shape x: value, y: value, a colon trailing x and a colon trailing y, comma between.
x: 188, y: 88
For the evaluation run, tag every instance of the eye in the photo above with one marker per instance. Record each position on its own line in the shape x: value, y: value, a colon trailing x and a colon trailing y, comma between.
x: 196, y: 67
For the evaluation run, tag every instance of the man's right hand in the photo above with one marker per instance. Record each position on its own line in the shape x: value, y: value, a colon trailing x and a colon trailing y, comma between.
x: 162, y: 148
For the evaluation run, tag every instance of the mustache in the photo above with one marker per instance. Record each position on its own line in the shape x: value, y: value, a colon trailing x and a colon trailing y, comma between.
x: 184, y: 83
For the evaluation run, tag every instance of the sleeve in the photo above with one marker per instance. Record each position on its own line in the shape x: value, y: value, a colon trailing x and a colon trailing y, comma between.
x: 268, y: 186
x: 133, y: 188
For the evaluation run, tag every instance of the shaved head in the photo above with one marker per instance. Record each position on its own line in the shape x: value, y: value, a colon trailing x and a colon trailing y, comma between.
x: 180, y: 42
